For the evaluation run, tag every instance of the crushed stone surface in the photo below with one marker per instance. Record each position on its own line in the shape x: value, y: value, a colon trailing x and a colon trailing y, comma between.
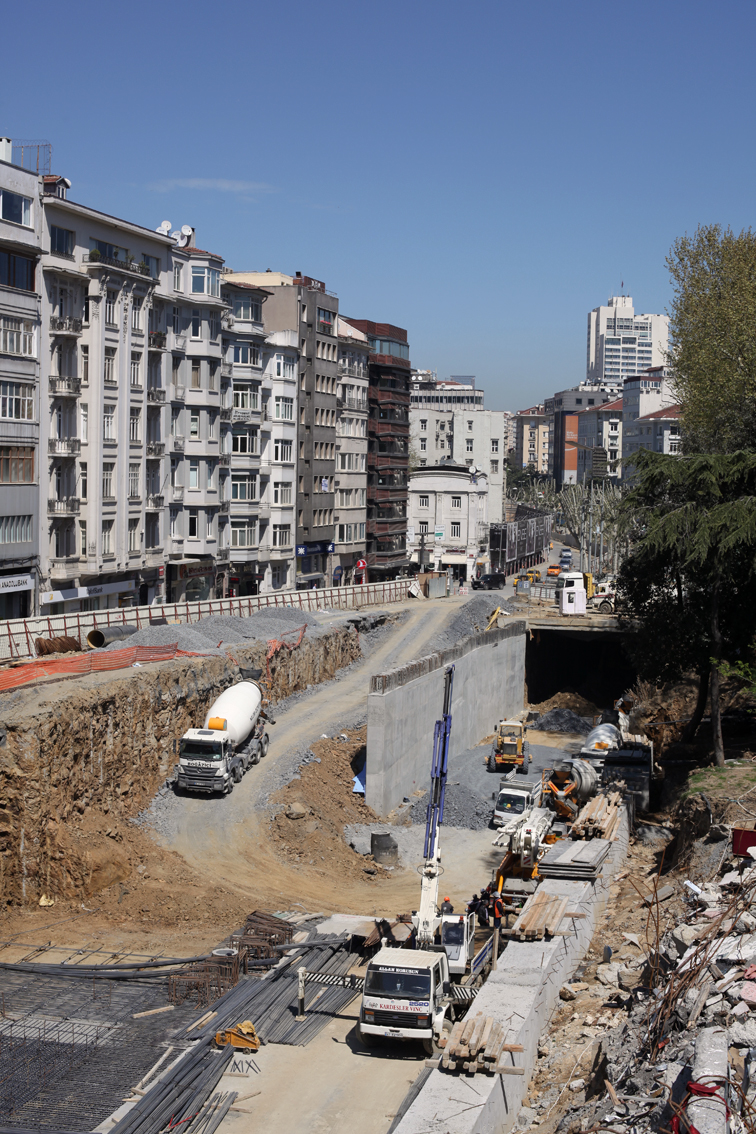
x: 207, y: 635
x: 470, y: 619
x: 463, y: 807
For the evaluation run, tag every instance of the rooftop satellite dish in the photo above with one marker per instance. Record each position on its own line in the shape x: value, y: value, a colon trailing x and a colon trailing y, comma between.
x: 183, y: 241
x: 165, y: 225
x: 187, y: 229
x: 175, y: 235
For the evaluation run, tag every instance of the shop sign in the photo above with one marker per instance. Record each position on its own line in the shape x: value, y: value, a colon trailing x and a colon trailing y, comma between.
x: 314, y: 549
x: 338, y: 572
x: 16, y: 583
x: 439, y: 533
x: 360, y: 565
x: 195, y: 570
x: 88, y: 592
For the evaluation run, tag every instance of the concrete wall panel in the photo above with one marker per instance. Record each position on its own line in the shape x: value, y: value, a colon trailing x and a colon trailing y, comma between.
x: 403, y: 706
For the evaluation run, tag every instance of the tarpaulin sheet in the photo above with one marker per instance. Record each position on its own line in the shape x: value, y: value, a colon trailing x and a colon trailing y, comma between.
x: 93, y: 662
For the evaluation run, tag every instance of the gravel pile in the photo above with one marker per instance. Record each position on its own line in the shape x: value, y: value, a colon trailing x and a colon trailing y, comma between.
x: 462, y: 808
x: 472, y: 618
x: 562, y: 720
x: 206, y: 635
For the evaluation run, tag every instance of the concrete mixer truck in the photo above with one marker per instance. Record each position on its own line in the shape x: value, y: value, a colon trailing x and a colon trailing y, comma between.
x: 214, y: 758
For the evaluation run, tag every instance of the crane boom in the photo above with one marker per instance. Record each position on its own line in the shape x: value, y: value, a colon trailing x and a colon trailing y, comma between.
x: 428, y: 918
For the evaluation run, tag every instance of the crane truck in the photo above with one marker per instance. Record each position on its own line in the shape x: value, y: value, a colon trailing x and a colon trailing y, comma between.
x: 214, y: 758
x: 407, y: 993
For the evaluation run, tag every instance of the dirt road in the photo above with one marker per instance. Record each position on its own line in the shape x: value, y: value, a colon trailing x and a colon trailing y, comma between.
x: 226, y: 838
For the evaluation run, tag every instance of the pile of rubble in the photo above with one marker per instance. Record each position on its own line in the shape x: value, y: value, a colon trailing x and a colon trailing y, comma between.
x: 669, y: 1043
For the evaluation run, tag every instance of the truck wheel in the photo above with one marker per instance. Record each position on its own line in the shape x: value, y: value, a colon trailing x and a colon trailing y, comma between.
x: 237, y: 774
x: 255, y: 756
x: 605, y: 608
x: 229, y: 786
x: 367, y: 1039
x: 492, y: 763
x: 264, y: 744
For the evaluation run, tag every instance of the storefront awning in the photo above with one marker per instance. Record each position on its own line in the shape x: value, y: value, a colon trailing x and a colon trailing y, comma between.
x: 452, y: 558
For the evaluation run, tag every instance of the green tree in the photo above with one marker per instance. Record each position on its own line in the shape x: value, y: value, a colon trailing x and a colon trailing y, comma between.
x: 687, y: 586
x: 712, y: 355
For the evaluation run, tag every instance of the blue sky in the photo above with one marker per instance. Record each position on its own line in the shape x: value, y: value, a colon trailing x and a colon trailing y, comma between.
x: 480, y: 174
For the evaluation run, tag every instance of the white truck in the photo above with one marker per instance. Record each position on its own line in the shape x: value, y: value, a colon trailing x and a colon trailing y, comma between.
x: 513, y: 800
x: 214, y: 758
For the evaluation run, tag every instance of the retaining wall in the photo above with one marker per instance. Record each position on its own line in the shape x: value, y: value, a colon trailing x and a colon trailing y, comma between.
x: 523, y: 993
x: 404, y: 704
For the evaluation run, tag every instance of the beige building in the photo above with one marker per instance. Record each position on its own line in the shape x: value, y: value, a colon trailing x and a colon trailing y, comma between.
x: 531, y: 445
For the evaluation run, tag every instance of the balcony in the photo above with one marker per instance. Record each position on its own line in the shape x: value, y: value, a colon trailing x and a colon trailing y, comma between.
x: 157, y: 340
x: 177, y: 493
x: 225, y: 414
x: 66, y: 505
x: 177, y: 444
x: 65, y: 567
x: 63, y: 387
x: 224, y: 460
x: 155, y: 394
x: 227, y: 370
x: 154, y: 502
x: 223, y: 554
x: 356, y: 405
x: 351, y: 371
x: 97, y: 260
x: 63, y: 446
x: 65, y: 326
x: 155, y: 448
x: 224, y: 506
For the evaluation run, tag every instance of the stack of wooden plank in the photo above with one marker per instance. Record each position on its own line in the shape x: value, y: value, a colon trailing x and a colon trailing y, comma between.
x: 541, y: 914
x: 578, y: 861
x: 599, y: 818
x: 478, y: 1043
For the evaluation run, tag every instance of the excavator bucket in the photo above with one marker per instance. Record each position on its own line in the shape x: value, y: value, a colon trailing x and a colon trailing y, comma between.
x: 243, y: 1036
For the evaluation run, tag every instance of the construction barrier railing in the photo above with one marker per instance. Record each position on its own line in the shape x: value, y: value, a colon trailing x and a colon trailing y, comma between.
x: 17, y: 635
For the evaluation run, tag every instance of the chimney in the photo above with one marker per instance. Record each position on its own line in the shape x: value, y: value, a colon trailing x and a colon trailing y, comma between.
x: 6, y: 150
x: 191, y: 243
x: 299, y: 275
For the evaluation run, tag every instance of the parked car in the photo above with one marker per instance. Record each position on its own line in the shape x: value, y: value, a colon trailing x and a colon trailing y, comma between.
x: 534, y: 574
x: 493, y: 582
x: 553, y: 569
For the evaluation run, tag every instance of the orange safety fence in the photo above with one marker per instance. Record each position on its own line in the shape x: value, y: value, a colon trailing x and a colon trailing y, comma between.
x: 91, y: 663
x: 276, y: 644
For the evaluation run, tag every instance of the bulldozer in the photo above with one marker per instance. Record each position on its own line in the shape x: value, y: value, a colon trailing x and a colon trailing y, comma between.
x: 510, y: 750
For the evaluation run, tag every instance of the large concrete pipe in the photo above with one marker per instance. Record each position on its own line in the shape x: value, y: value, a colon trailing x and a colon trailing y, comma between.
x: 99, y: 638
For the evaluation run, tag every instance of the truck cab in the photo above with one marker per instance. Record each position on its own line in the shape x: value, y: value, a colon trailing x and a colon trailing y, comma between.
x: 207, y: 761
x: 458, y: 940
x: 406, y: 996
x: 513, y: 800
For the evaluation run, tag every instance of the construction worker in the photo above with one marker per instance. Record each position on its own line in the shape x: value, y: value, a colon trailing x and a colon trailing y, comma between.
x: 499, y: 909
x: 446, y: 906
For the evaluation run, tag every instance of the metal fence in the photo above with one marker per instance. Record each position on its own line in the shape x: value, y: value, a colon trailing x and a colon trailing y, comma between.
x: 17, y: 635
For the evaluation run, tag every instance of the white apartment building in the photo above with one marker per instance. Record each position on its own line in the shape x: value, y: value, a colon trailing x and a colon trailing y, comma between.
x: 448, y: 519
x: 658, y: 431
x: 531, y: 445
x: 644, y: 394
x: 278, y: 462
x: 350, y: 518
x: 600, y: 427
x: 476, y: 438
x: 20, y: 248
x: 621, y: 343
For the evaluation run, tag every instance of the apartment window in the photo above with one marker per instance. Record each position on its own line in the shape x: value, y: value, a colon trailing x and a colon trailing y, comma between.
x: 456, y: 501
x: 423, y: 445
x: 345, y: 498
x: 135, y: 423
x: 205, y: 281
x: 281, y: 451
x: 423, y: 527
x: 110, y: 307
x: 194, y: 474
x: 177, y: 281
x: 423, y: 424
x: 494, y: 466
x: 107, y: 537
x: 85, y: 364
x: 17, y: 336
x: 134, y: 534
x: 193, y: 523
x: 244, y: 442
x: 107, y: 480
x: 248, y: 309
x: 15, y: 529
x: 16, y: 271
x: 284, y: 408
x: 244, y: 533
x: 211, y: 420
x: 16, y: 401
x: 62, y: 241
x: 83, y: 539
x: 285, y: 366
x: 494, y: 444
x: 16, y: 464
x: 281, y: 535
x: 174, y: 522
x: 83, y: 480
x: 108, y: 423
x: 134, y: 481
x: 15, y: 208
x: 282, y: 492
x: 194, y: 425
x: 109, y: 371
x: 136, y: 313
x: 176, y: 320
x: 469, y: 444
x: 425, y: 501
x: 176, y: 370
x: 196, y: 324
x: 136, y: 365
x: 211, y: 375
x: 209, y: 526
x: 455, y: 531
x: 195, y: 376
x: 210, y: 472
x: 243, y: 487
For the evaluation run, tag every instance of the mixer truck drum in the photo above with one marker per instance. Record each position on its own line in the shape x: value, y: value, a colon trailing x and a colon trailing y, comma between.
x: 99, y: 638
